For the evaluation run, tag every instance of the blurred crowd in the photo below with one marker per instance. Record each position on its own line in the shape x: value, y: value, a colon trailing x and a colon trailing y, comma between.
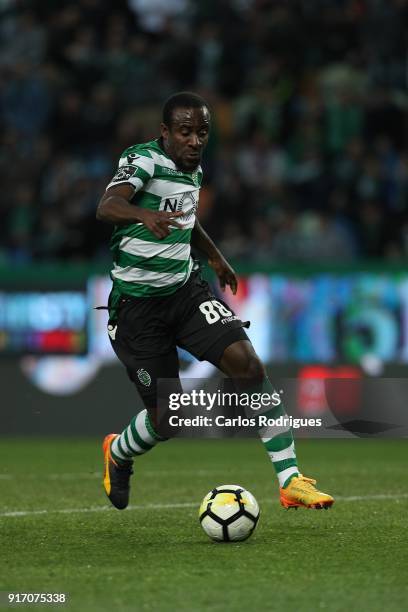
x: 308, y: 158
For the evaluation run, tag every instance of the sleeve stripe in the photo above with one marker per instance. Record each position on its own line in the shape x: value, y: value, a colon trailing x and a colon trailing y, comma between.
x: 140, y: 162
x: 143, y: 152
x: 142, y: 175
x: 134, y: 181
x: 143, y: 165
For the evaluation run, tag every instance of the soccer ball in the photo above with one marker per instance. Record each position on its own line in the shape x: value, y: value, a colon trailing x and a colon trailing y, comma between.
x: 229, y: 513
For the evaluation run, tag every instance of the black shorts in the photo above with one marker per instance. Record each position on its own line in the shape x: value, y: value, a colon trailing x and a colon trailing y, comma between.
x: 147, y: 331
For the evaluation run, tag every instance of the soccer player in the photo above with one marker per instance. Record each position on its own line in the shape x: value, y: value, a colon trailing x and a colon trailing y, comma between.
x: 159, y: 301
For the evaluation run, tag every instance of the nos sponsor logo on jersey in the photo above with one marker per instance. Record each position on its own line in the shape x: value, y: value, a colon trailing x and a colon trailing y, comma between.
x: 186, y: 202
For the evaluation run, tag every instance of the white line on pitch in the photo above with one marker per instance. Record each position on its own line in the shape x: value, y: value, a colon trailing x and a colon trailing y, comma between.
x: 98, y: 509
x: 182, y: 505
x: 373, y: 497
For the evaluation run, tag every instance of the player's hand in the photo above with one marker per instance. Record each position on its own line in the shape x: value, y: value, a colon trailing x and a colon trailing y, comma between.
x: 225, y: 273
x: 159, y: 222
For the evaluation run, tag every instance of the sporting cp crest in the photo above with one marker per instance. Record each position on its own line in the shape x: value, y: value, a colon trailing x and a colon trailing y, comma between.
x: 144, y: 377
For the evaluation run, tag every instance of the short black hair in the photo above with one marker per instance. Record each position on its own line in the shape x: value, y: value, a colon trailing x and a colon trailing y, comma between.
x: 182, y: 99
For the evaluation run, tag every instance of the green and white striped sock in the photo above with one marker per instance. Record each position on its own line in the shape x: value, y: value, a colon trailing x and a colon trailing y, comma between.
x: 138, y: 438
x: 280, y: 444
x: 281, y: 451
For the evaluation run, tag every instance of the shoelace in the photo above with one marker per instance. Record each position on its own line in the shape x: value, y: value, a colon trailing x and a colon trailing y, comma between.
x: 310, y: 482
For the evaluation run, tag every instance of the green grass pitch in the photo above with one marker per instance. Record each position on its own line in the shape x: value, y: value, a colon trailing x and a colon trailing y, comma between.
x: 58, y: 534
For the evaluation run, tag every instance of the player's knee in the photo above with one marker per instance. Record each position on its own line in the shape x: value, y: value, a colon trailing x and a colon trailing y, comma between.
x: 153, y: 416
x: 241, y: 362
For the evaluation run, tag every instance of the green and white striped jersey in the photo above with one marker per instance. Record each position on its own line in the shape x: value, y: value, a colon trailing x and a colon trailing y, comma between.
x: 143, y: 264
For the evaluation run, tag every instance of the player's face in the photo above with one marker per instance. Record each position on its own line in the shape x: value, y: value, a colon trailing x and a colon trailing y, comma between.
x: 185, y: 139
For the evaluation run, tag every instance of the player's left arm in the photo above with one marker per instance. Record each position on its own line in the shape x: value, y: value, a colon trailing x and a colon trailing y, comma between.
x: 201, y: 241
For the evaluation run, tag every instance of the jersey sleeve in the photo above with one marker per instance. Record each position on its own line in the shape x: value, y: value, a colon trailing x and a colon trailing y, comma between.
x: 136, y: 167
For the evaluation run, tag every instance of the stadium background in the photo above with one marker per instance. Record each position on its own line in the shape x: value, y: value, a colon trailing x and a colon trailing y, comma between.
x: 306, y: 180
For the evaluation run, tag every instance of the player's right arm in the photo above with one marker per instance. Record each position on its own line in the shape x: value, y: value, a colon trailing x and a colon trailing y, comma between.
x: 116, y: 207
